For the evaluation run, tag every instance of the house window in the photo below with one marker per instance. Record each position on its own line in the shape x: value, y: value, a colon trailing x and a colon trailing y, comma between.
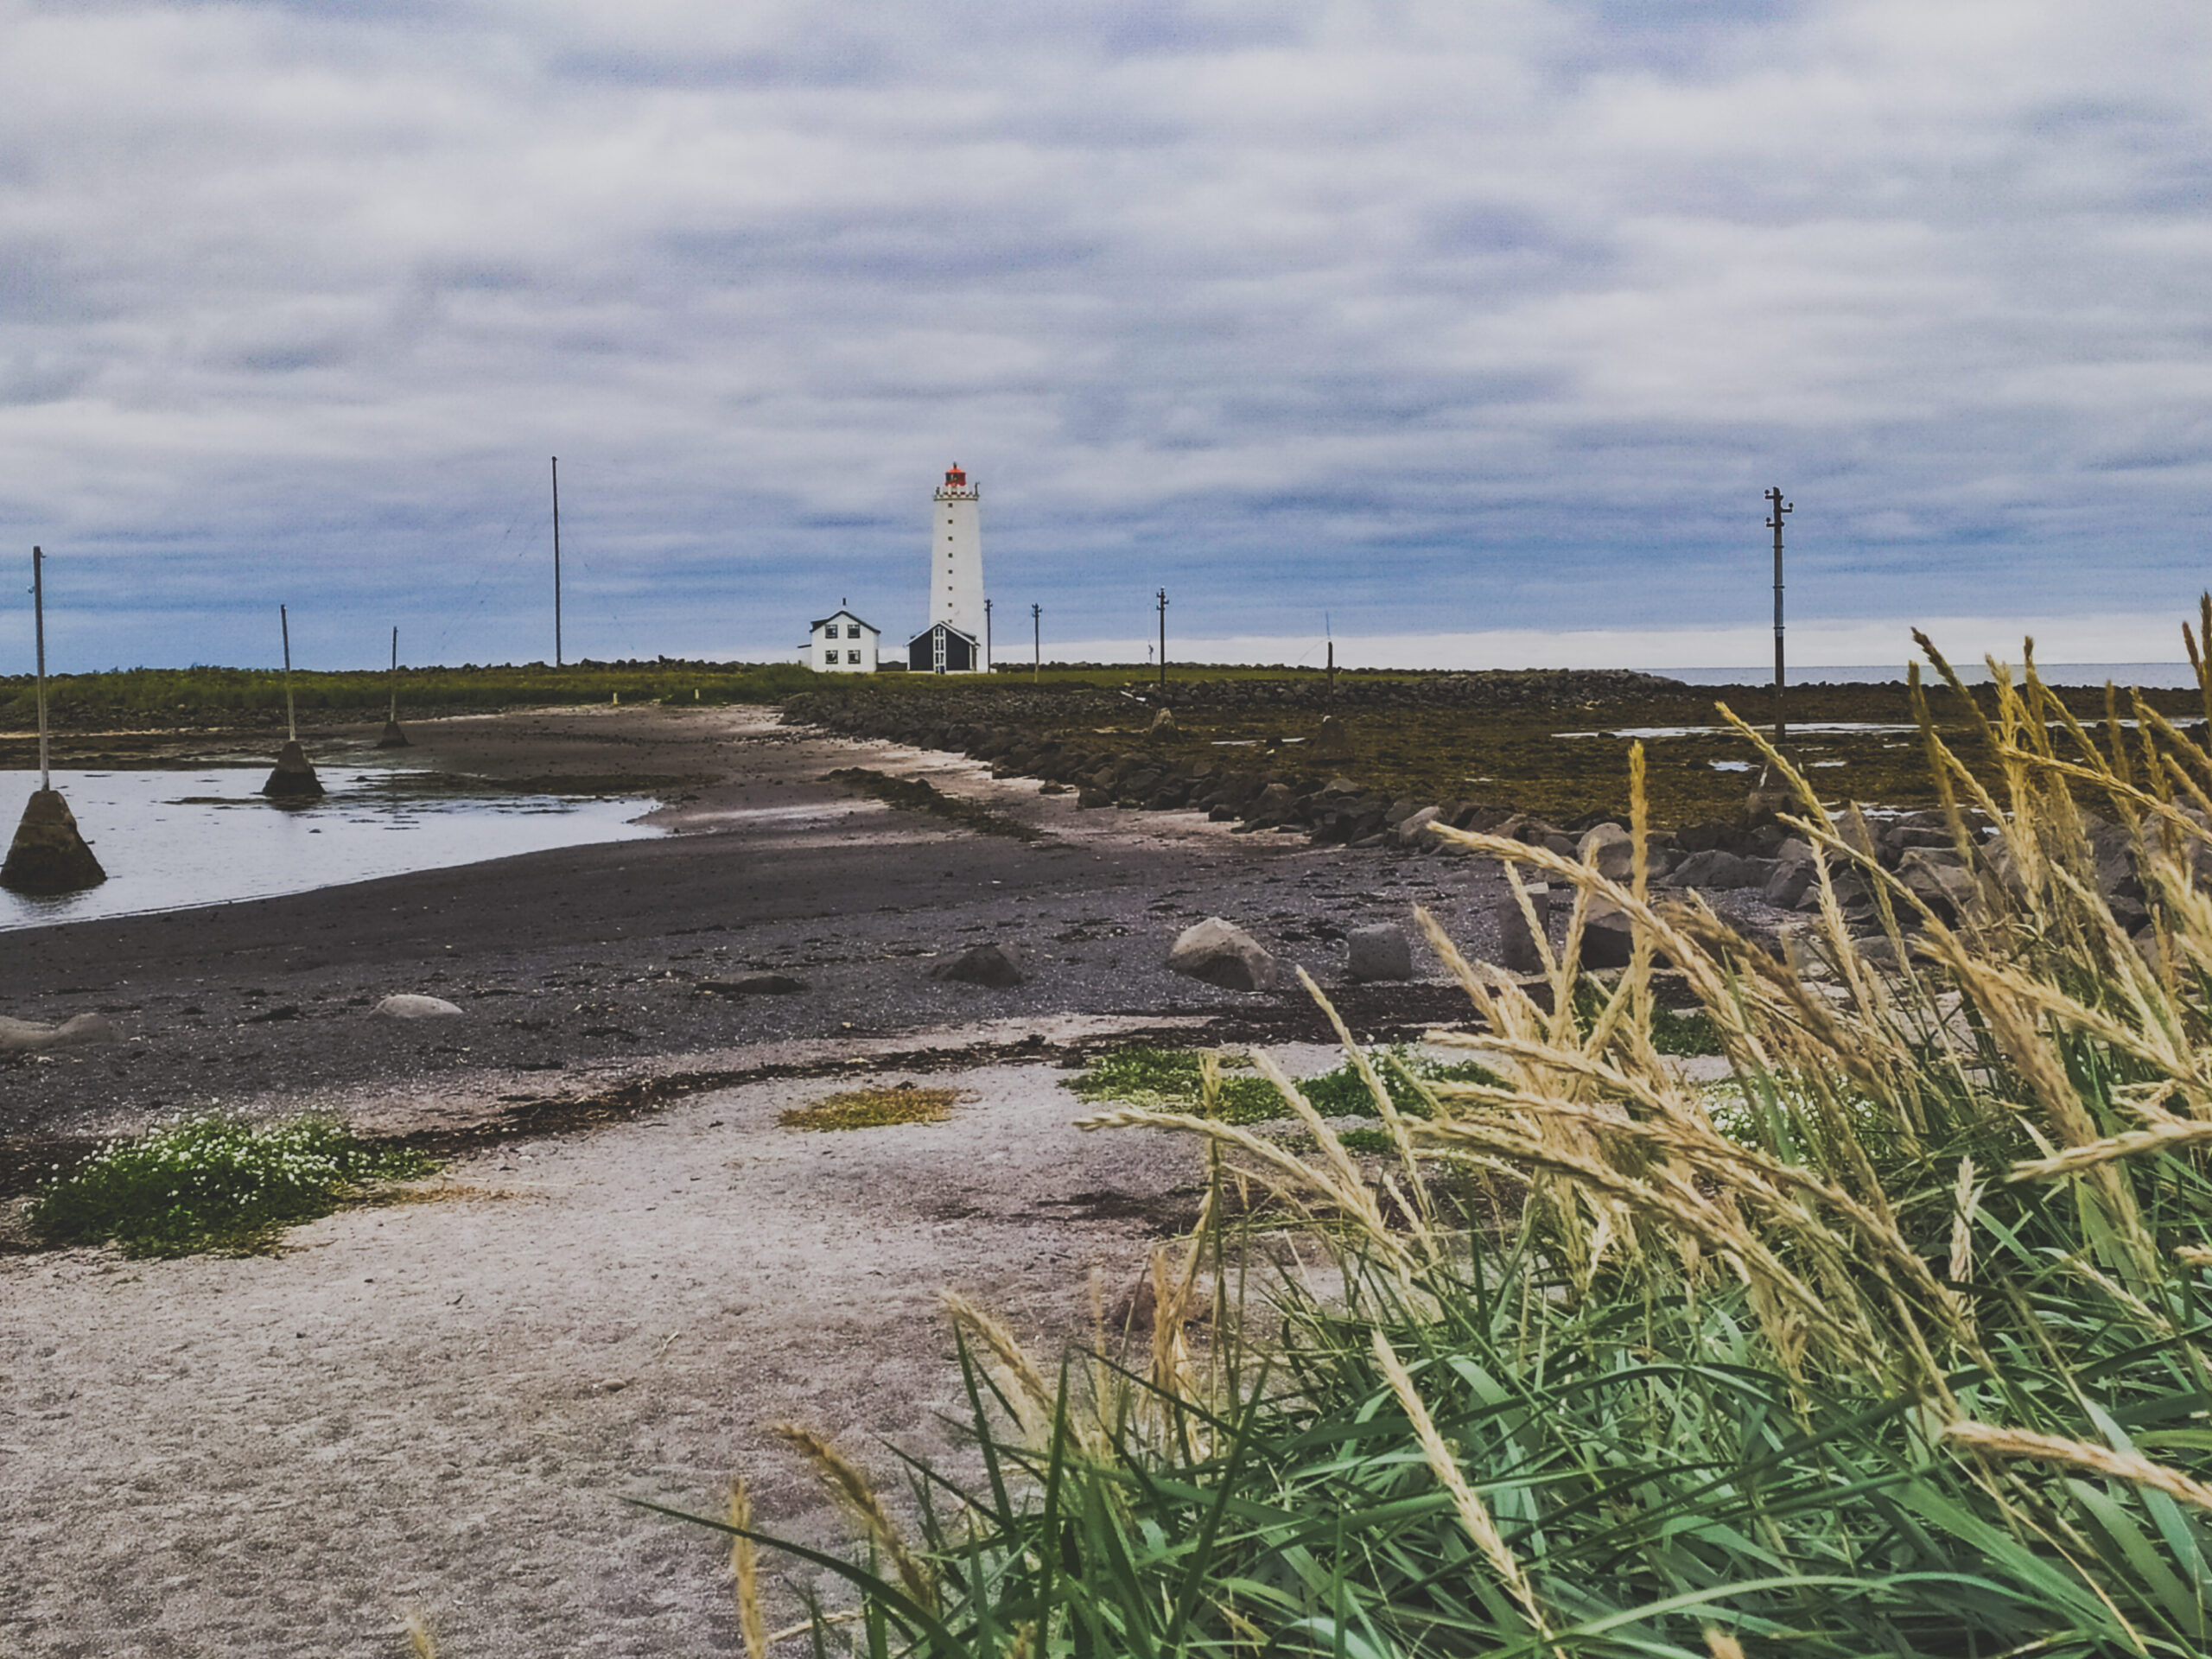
x: 852, y: 657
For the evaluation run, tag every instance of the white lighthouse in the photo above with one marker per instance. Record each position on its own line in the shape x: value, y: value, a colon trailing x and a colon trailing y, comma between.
x: 956, y: 640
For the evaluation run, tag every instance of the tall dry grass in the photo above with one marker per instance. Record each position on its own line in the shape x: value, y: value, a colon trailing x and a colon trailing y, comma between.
x: 1893, y: 1342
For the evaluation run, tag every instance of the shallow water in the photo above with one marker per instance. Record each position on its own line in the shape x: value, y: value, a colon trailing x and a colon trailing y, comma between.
x: 169, y: 840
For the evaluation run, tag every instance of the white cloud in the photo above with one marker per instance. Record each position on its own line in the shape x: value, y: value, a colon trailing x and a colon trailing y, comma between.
x: 1479, y: 318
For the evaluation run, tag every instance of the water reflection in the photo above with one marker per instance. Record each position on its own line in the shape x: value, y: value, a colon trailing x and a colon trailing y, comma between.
x: 202, y: 836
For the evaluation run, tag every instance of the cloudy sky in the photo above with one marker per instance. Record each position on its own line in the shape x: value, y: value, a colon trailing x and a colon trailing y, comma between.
x: 1475, y: 328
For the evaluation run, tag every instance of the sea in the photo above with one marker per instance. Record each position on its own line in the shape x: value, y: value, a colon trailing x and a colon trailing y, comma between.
x: 2148, y: 677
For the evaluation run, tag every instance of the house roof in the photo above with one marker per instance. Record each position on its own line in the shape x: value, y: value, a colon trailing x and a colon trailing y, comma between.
x: 834, y: 615
x: 948, y: 628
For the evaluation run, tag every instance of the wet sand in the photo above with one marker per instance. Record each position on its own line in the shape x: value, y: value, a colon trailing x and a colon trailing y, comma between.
x: 581, y: 969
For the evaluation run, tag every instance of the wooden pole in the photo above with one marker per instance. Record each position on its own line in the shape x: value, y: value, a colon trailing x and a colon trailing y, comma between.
x: 986, y: 636
x: 291, y: 725
x: 556, y: 561
x: 38, y: 614
x: 1773, y: 523
x: 394, y: 715
x: 1163, y: 638
x: 1037, y: 643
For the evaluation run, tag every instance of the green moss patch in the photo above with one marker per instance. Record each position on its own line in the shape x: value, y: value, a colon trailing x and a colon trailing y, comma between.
x: 873, y: 1108
x: 1170, y: 1080
x: 216, y: 1184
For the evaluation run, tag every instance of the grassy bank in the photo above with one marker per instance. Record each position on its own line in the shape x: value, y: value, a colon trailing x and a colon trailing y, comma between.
x: 160, y: 698
x: 1896, y: 1341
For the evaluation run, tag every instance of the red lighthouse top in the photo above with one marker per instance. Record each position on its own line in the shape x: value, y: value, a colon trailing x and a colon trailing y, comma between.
x: 954, y: 478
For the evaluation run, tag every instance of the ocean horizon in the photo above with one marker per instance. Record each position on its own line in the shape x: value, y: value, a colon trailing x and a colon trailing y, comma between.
x: 2148, y: 677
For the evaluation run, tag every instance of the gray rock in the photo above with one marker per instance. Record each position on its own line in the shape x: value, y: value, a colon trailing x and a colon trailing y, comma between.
x: 31, y: 1036
x: 1412, y: 830
x: 1378, y: 952
x: 1608, y: 935
x: 1876, y: 950
x: 1715, y: 870
x: 1610, y: 850
x: 408, y: 1006
x: 1517, y: 946
x: 1221, y: 953
x: 1792, y: 878
x: 981, y: 965
x: 1938, y: 880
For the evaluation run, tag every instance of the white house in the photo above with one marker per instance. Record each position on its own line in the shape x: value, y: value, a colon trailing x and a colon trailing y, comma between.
x: 957, y: 641
x: 842, y: 645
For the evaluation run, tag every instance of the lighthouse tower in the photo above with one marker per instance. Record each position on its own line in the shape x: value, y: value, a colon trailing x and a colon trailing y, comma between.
x: 956, y: 640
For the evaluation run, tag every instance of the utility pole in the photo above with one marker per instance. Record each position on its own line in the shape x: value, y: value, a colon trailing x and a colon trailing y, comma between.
x: 1163, y: 638
x: 38, y: 612
x: 988, y: 660
x: 1773, y: 523
x: 556, y: 561
x: 1036, y: 642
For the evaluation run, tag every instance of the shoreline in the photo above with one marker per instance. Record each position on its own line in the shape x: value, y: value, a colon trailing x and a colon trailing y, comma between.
x: 580, y: 967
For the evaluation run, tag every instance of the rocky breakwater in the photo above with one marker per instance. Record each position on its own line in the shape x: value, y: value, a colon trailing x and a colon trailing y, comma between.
x: 1050, y: 733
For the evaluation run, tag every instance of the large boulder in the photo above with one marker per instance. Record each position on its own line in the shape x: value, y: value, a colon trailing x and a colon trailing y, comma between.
x: 1796, y: 873
x: 982, y: 964
x: 1610, y: 850
x: 1378, y: 952
x: 30, y: 1036
x: 1221, y: 953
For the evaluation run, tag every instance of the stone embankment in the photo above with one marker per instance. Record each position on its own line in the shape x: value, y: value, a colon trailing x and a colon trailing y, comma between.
x: 1048, y: 733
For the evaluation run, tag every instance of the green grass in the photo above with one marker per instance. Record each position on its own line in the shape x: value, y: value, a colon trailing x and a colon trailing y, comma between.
x: 164, y: 698
x: 1169, y: 1079
x: 215, y: 1184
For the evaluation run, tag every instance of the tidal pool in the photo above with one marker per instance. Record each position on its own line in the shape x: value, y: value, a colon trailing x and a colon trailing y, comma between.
x: 171, y: 840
